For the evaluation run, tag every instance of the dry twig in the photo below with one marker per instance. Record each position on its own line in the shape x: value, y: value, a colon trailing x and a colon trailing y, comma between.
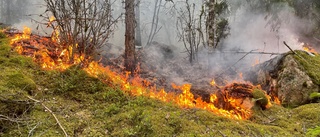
x: 55, y: 117
x: 222, y: 134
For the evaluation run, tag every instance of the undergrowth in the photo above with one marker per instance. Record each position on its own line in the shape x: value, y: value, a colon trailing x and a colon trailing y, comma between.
x: 86, y: 107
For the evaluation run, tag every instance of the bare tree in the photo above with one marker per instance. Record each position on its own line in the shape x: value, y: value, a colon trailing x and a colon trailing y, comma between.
x: 130, y: 59
x: 84, y: 25
x: 191, y: 22
x: 189, y: 29
x: 155, y: 21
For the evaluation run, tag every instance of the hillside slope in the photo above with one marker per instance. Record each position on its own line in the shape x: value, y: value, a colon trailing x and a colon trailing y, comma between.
x: 84, y: 106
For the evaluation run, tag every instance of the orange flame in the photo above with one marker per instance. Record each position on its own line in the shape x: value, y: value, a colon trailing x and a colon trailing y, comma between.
x: 309, y: 49
x: 25, y: 35
x: 213, y: 83
x: 241, y: 75
x: 136, y: 86
x: 276, y: 100
x: 256, y: 62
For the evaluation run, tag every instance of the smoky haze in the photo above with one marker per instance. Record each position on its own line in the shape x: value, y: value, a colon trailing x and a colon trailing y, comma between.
x: 248, y: 31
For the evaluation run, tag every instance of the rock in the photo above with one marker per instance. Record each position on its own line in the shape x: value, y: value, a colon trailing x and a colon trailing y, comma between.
x: 285, y: 78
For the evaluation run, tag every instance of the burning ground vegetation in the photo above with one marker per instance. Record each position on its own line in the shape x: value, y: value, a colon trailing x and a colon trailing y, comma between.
x: 43, y: 93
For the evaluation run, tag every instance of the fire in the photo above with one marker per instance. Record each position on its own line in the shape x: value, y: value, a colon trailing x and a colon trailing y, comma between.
x: 256, y: 62
x: 309, y: 49
x: 59, y: 59
x: 241, y: 75
x: 213, y: 83
x: 276, y: 100
x: 25, y: 35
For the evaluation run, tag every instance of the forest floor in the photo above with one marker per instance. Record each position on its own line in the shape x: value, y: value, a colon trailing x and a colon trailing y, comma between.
x: 31, y: 98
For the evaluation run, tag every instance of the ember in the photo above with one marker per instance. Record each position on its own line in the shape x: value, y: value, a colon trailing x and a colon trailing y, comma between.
x: 232, y: 101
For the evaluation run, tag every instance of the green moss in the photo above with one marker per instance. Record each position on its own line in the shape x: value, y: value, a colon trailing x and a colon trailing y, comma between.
x: 2, y: 35
x: 311, y: 64
x: 4, y: 47
x: 21, y: 81
x: 21, y: 62
x: 74, y: 83
x: 308, y: 115
x: 260, y: 97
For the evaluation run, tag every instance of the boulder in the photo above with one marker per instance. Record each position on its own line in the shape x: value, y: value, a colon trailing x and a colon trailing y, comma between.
x: 290, y: 78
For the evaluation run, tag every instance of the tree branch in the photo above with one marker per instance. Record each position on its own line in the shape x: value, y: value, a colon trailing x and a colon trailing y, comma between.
x: 55, y: 117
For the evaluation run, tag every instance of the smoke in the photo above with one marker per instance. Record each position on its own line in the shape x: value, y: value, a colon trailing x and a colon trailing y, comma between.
x: 33, y: 18
x: 249, y: 31
x: 257, y: 32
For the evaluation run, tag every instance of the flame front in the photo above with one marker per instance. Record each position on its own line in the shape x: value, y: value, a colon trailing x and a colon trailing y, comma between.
x: 309, y: 49
x: 136, y: 86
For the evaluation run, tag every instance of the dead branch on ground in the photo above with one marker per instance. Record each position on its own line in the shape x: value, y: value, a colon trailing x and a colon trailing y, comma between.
x: 55, y: 117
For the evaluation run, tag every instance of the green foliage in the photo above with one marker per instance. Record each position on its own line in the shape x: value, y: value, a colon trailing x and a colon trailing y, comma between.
x: 314, y: 132
x: 222, y: 30
x: 220, y: 7
x: 314, y: 95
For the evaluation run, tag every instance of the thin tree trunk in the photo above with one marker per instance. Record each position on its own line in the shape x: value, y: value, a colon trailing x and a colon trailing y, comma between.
x: 210, y: 24
x: 154, y: 22
x: 138, y: 27
x: 130, y: 61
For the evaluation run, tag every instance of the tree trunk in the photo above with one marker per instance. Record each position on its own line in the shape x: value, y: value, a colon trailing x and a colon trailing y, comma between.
x: 210, y: 24
x: 130, y: 60
x: 138, y: 27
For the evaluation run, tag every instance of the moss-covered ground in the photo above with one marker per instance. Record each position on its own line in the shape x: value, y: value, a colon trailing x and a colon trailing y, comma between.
x: 86, y: 107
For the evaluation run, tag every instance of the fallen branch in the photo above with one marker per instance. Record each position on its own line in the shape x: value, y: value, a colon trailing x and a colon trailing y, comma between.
x: 3, y: 117
x: 55, y: 117
x: 244, y: 52
x: 220, y: 75
x: 222, y: 134
x: 31, y: 131
x: 293, y: 51
x: 289, y: 47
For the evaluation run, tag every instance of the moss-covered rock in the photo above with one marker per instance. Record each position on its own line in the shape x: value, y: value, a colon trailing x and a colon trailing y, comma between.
x: 260, y: 97
x: 289, y: 77
x: 294, y: 84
